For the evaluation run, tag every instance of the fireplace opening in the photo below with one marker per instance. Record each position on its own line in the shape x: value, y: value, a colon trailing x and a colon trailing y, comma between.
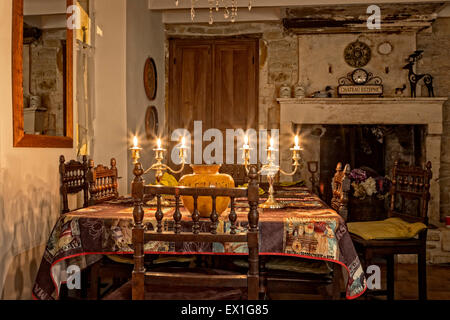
x: 373, y: 149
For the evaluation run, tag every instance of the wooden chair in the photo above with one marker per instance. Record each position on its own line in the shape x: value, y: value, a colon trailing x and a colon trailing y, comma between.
x: 103, y: 185
x: 73, y: 180
x: 340, y: 187
x: 141, y: 277
x: 409, y: 184
x: 311, y: 277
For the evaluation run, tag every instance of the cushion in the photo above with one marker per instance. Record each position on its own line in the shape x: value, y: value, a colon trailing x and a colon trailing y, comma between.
x: 292, y: 264
x: 165, y: 292
x: 392, y: 228
x: 188, y: 260
x: 180, y: 293
x: 120, y: 259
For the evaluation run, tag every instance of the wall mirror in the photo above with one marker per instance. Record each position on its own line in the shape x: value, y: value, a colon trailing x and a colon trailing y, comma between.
x: 42, y: 66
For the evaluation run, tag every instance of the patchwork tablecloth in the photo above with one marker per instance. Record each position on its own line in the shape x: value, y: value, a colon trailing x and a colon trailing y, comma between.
x: 307, y: 228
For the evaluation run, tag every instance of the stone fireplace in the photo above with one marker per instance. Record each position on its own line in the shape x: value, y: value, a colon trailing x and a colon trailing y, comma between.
x: 422, y: 113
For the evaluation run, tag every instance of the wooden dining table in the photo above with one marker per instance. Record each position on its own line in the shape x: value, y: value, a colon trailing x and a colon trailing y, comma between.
x: 305, y: 228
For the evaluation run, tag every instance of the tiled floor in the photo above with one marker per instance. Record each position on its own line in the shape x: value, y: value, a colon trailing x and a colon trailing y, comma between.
x: 438, y: 282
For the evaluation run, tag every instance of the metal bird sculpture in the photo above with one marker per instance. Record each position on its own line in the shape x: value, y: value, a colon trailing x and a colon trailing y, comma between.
x: 415, y: 78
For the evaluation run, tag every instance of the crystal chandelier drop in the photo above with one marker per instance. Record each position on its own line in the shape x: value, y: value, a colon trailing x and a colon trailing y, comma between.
x: 230, y: 8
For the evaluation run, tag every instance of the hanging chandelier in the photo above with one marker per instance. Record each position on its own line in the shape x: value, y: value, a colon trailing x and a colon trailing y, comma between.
x: 230, y: 8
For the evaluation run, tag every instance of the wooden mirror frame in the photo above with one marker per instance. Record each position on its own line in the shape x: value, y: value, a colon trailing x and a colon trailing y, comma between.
x: 21, y: 139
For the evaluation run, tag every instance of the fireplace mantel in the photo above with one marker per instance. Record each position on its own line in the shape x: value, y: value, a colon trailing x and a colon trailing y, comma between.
x: 354, y: 111
x: 427, y: 111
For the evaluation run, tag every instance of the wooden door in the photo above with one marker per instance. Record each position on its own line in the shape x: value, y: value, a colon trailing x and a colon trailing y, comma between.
x: 213, y: 81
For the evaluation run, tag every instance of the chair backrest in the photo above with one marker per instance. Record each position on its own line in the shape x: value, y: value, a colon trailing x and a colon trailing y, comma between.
x: 103, y: 182
x: 139, y: 191
x: 340, y: 187
x: 73, y: 180
x: 410, y: 192
x: 236, y: 171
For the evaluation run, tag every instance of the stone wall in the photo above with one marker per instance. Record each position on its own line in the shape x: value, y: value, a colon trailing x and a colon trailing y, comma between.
x: 436, y: 61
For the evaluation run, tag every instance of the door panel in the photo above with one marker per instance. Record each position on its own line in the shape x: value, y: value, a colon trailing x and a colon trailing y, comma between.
x: 190, y: 86
x: 235, y: 102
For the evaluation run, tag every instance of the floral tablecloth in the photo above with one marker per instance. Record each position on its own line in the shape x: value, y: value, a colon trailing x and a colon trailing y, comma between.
x: 307, y: 228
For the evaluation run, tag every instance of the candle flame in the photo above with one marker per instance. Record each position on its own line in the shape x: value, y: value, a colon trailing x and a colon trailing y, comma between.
x: 246, y: 140
x: 297, y: 141
x: 183, y: 141
x: 272, y: 142
x: 135, y: 142
x: 159, y: 143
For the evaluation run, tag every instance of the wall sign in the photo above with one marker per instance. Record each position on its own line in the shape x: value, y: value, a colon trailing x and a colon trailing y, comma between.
x: 360, y: 82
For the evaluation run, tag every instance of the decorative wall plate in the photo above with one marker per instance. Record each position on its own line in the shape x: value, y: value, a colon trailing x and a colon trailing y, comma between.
x: 150, y: 78
x: 357, y: 54
x: 385, y: 48
x: 151, y: 123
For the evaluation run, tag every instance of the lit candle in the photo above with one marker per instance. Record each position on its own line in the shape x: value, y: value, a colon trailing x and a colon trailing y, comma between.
x: 272, y: 143
x: 297, y: 143
x: 181, y: 149
x: 159, y: 143
x: 135, y: 150
x: 246, y: 145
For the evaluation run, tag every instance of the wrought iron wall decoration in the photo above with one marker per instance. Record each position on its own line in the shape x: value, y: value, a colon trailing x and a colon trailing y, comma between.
x: 150, y: 79
x: 357, y: 54
x: 415, y: 78
x: 360, y: 82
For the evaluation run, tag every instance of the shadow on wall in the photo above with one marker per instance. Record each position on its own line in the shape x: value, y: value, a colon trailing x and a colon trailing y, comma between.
x: 29, y: 207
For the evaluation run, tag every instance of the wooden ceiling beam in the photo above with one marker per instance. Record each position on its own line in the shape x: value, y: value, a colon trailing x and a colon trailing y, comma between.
x: 202, y: 16
x: 186, y: 4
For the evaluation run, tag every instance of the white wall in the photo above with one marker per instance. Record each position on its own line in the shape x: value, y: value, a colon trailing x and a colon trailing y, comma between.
x: 29, y: 178
x: 29, y: 187
x: 110, y: 127
x: 145, y: 38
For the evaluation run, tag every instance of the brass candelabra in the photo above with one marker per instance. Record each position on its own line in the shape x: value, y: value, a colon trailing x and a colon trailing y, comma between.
x: 271, y: 169
x: 159, y: 167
